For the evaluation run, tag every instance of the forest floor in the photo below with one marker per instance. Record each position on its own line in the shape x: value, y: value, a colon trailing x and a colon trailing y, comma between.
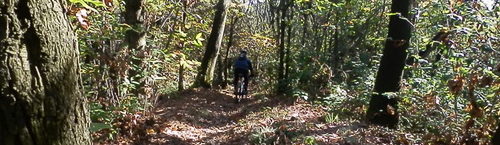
x: 201, y: 116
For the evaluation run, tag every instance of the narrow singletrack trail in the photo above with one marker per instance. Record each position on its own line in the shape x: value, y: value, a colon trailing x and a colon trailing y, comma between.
x: 212, y: 117
x: 203, y: 116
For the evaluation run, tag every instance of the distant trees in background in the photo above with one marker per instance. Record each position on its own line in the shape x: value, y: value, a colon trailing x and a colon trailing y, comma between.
x: 337, y: 53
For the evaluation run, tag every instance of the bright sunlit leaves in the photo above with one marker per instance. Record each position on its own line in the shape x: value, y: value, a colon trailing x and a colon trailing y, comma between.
x: 85, y: 4
x: 198, y: 40
x: 81, y: 16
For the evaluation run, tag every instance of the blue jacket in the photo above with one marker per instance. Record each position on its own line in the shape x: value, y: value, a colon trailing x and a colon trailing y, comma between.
x: 243, y: 63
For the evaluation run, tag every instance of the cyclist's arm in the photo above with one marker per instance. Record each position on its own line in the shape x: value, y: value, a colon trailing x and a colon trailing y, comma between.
x: 250, y: 67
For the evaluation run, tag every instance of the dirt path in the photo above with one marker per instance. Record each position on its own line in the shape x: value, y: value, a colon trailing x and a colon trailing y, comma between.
x: 203, y: 116
x: 213, y: 117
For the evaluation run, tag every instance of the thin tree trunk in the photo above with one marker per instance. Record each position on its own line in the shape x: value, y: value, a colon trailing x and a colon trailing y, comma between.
x: 181, y: 76
x: 206, y: 71
x: 135, y: 37
x: 221, y: 67
x: 40, y: 97
x: 305, y: 32
x: 281, y: 51
x: 273, y: 11
x: 496, y: 137
x: 330, y: 47
x: 383, y: 108
x: 219, y: 77
x: 335, y: 54
x: 289, y: 41
x: 181, y: 46
x: 226, y: 64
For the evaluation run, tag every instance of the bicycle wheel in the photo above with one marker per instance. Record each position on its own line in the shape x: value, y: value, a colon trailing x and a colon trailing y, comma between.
x: 240, y: 89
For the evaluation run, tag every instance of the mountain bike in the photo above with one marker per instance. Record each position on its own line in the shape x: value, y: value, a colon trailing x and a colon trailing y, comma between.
x: 240, y: 88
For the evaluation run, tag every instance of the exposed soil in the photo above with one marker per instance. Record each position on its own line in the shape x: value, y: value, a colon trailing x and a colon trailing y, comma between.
x: 213, y: 117
x: 203, y: 116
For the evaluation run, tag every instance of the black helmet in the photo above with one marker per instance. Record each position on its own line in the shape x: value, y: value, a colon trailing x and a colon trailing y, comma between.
x: 243, y: 51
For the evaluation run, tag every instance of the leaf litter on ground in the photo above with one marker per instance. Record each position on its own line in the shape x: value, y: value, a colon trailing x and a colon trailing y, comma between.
x: 202, y: 116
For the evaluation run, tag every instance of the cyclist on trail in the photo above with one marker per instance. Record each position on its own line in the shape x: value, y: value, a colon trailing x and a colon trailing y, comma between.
x: 242, y: 65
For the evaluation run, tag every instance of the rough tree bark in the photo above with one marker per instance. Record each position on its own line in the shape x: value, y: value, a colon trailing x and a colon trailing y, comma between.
x: 383, y: 109
x: 40, y: 98
x: 205, y: 74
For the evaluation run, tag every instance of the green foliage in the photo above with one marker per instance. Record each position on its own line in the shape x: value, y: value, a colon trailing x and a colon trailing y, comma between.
x: 469, y: 54
x: 332, y: 56
x: 94, y: 127
x: 99, y: 114
x: 330, y: 118
x: 107, y: 62
x: 102, y: 119
x: 309, y: 140
x: 262, y: 135
x: 85, y: 4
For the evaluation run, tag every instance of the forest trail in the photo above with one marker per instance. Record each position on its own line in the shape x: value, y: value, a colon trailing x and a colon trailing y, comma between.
x: 203, y: 116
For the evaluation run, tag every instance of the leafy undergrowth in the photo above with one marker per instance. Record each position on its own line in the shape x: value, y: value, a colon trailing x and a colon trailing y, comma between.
x: 212, y: 117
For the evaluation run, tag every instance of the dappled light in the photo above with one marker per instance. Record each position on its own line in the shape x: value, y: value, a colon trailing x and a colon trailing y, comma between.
x: 264, y: 72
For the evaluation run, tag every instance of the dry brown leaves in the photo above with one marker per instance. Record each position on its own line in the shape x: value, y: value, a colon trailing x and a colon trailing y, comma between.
x: 456, y: 84
x: 81, y: 15
x: 210, y: 117
x: 431, y: 100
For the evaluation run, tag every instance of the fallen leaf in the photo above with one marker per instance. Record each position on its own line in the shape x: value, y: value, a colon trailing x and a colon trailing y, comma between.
x: 81, y: 16
x: 150, y: 131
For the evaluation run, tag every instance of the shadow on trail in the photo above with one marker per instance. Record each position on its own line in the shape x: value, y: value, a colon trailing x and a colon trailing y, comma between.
x: 197, y: 108
x: 209, y: 108
x: 200, y: 115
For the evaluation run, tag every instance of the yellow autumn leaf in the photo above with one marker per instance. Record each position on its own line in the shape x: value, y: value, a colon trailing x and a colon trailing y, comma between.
x: 150, y: 131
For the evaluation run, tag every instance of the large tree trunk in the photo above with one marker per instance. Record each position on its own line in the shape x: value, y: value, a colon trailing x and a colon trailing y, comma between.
x: 383, y: 108
x: 40, y: 98
x: 205, y: 74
